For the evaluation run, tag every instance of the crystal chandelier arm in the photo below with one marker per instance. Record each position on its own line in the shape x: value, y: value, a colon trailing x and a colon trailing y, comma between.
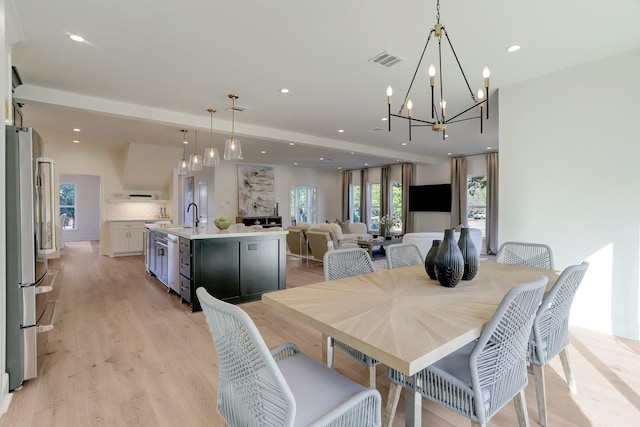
x: 416, y: 72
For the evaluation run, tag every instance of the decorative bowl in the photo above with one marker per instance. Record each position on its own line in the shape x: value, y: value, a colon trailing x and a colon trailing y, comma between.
x: 222, y: 225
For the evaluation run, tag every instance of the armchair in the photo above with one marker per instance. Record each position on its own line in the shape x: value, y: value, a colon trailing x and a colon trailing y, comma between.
x: 282, y: 387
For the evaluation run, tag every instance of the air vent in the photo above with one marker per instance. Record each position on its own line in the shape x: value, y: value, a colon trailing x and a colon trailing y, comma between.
x: 237, y: 108
x: 387, y: 59
x: 376, y: 129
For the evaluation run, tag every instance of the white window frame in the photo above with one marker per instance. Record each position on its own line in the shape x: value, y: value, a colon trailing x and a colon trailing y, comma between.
x: 310, y: 207
x: 74, y: 226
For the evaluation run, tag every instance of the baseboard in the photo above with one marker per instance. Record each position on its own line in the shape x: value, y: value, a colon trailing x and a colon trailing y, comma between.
x: 5, y: 396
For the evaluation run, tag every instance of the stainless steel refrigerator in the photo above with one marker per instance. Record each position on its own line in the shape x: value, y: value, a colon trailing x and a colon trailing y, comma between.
x: 31, y: 237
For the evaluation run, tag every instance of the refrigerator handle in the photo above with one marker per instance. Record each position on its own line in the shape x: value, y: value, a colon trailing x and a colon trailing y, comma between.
x: 47, y: 241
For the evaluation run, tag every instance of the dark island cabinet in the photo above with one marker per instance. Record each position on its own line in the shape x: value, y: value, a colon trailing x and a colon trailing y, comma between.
x: 233, y: 269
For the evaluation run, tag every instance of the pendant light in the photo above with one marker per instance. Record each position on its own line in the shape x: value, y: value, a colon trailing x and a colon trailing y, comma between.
x: 183, y: 165
x: 211, y: 156
x: 195, y: 161
x: 232, y: 149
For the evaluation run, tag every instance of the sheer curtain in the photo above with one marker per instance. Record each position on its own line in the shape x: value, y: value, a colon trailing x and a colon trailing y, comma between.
x: 459, y: 192
x: 407, y: 180
x: 346, y: 186
x: 364, y: 206
x: 492, y: 203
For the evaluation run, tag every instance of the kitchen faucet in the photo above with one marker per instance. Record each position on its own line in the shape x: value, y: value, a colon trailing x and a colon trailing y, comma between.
x: 197, y: 220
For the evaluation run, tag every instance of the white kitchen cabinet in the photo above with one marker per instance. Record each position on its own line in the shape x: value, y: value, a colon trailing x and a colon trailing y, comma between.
x: 127, y: 238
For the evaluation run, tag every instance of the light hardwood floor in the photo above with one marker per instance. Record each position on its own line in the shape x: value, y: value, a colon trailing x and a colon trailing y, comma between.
x: 124, y: 352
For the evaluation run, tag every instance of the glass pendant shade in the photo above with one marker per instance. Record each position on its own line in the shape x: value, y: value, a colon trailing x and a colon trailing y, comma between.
x: 195, y: 162
x: 211, y: 157
x: 232, y: 149
x: 183, y: 166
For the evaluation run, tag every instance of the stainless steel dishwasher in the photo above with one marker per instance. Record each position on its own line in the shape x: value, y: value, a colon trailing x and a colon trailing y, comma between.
x: 173, y: 261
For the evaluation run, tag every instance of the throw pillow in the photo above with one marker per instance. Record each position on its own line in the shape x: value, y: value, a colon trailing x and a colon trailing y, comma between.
x: 344, y: 226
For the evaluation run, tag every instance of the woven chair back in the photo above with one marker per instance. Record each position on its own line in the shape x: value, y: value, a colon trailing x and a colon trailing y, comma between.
x: 527, y: 254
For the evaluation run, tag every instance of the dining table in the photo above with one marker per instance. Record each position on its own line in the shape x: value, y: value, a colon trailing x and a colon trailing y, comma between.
x: 401, y: 317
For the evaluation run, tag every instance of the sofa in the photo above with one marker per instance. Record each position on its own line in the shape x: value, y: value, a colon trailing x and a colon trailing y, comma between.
x: 424, y: 240
x: 319, y: 238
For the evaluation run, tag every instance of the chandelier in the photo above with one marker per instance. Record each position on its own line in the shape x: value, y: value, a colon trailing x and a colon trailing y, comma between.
x: 183, y: 165
x: 232, y: 149
x: 211, y: 156
x: 439, y: 116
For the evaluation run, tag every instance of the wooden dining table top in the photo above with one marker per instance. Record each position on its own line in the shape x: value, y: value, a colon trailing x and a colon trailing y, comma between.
x: 400, y: 316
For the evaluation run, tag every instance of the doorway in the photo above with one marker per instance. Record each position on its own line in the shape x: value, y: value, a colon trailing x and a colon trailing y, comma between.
x: 80, y: 201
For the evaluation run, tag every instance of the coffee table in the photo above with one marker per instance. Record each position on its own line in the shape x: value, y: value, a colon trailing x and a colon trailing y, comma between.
x: 380, y: 241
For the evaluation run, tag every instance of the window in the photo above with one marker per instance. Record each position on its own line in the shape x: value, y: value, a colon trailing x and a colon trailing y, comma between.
x: 354, y: 203
x: 396, y: 204
x: 303, y: 204
x: 68, y: 205
x: 477, y: 202
x: 373, y: 196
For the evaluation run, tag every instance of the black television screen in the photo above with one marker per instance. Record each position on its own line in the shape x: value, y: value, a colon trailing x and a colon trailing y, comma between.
x: 430, y: 198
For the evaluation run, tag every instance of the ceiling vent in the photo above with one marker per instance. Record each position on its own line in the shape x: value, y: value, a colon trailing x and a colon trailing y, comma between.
x: 236, y: 108
x: 387, y: 59
x: 376, y: 129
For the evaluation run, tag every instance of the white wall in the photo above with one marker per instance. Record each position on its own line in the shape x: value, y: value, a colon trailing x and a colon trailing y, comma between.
x: 569, y: 177
x: 328, y: 184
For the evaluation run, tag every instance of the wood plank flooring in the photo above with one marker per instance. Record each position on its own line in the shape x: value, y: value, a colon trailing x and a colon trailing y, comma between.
x: 124, y: 352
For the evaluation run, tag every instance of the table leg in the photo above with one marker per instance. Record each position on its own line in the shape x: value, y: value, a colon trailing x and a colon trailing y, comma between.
x: 327, y: 350
x: 392, y: 404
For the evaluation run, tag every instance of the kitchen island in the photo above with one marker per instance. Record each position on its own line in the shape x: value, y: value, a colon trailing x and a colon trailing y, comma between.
x: 235, y: 265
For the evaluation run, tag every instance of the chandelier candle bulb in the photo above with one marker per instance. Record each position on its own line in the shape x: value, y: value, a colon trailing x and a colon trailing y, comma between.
x: 409, y: 108
x: 389, y: 93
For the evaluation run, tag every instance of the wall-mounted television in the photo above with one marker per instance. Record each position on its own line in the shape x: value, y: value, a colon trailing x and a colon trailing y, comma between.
x: 430, y: 198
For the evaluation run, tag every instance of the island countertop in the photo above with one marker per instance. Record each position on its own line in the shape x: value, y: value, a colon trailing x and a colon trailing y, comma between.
x: 210, y: 231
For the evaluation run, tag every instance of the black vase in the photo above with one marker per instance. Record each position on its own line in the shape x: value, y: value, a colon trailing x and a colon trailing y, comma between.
x: 430, y: 259
x: 470, y: 254
x: 449, y: 263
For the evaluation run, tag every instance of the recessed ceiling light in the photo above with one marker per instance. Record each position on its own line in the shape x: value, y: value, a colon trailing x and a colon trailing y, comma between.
x: 284, y: 90
x: 448, y: 154
x: 321, y: 158
x: 295, y: 163
x: 291, y: 143
x: 76, y: 130
x: 384, y: 119
x: 488, y: 148
x: 76, y: 38
x: 339, y: 167
x: 341, y: 130
x: 404, y: 143
x: 76, y: 141
x: 513, y: 48
x: 366, y: 164
x: 353, y: 152
x: 263, y: 152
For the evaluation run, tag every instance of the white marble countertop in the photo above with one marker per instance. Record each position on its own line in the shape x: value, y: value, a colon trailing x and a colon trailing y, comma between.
x: 210, y: 231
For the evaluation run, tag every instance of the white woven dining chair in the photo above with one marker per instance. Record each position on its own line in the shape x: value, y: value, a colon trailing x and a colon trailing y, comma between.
x: 550, y: 333
x: 282, y: 387
x: 480, y: 378
x: 338, y: 264
x: 526, y: 254
x: 403, y: 255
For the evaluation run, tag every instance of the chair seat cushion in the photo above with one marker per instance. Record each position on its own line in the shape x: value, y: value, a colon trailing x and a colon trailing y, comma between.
x: 316, y: 388
x: 457, y: 365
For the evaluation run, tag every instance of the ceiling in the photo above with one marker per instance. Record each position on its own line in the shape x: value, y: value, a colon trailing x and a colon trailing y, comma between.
x: 146, y: 71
